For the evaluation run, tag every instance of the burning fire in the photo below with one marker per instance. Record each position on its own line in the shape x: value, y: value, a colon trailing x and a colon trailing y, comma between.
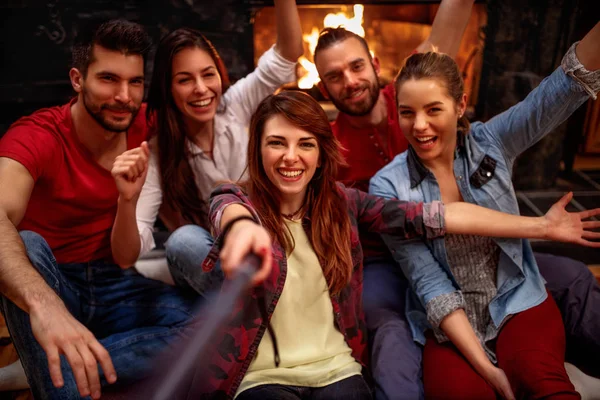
x: 353, y: 24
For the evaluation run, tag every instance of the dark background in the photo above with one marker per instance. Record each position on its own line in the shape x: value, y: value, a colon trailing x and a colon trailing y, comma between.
x: 524, y: 42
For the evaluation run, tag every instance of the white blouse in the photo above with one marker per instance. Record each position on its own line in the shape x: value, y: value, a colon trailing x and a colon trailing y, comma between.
x: 230, y: 142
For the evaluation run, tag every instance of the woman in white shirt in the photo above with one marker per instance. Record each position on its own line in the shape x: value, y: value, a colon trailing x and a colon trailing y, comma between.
x: 200, y: 136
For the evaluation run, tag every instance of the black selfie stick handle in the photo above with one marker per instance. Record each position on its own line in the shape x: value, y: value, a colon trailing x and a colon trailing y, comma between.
x: 191, y: 359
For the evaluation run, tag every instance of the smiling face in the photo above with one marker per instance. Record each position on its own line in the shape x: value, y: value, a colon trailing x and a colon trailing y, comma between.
x: 112, y: 89
x: 349, y: 77
x: 290, y: 157
x: 195, y: 86
x: 428, y: 117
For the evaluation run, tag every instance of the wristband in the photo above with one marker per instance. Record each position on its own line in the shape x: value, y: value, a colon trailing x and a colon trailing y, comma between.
x: 229, y: 224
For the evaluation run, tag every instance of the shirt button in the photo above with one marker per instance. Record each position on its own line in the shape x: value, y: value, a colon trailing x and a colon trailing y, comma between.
x: 458, y: 178
x: 488, y: 174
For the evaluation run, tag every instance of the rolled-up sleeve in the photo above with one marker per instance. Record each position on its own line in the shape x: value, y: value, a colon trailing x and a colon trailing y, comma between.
x: 441, y: 306
x: 222, y: 197
x: 589, y: 80
x: 427, y: 277
x: 272, y: 71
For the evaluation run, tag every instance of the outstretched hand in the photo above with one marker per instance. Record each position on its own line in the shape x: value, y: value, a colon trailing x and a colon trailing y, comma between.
x: 243, y: 238
x: 564, y: 226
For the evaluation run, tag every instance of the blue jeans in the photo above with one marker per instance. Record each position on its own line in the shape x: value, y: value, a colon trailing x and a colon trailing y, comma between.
x: 134, y: 318
x: 396, y: 358
x: 186, y: 249
x: 352, y: 388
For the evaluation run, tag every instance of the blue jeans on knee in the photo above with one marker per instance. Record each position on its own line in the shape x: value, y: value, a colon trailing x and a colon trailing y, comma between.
x: 352, y: 388
x: 133, y: 317
x: 577, y: 295
x: 186, y: 249
x: 395, y: 357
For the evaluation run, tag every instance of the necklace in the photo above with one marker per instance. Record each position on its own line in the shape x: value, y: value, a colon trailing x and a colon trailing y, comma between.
x: 291, y: 216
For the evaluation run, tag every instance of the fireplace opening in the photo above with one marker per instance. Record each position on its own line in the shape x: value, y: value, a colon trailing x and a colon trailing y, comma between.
x: 392, y: 32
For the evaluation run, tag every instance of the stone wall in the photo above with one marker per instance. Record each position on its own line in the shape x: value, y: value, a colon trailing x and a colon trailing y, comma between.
x: 36, y: 38
x: 525, y: 42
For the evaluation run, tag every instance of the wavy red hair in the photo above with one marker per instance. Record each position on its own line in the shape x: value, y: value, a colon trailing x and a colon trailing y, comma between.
x: 325, y: 204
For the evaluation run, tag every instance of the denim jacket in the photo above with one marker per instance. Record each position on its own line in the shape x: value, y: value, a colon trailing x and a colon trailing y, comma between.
x: 229, y: 361
x: 483, y: 163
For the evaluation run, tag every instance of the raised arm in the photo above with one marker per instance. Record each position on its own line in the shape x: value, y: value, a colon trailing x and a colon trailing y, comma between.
x: 550, y: 103
x: 53, y: 326
x: 448, y: 27
x: 289, y: 31
x: 275, y: 67
x: 588, y: 50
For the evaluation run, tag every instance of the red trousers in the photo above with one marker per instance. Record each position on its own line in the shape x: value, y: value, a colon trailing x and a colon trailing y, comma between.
x: 530, y: 349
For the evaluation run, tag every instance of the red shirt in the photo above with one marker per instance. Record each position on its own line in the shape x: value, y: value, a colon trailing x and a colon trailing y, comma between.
x: 74, y: 200
x: 365, y: 151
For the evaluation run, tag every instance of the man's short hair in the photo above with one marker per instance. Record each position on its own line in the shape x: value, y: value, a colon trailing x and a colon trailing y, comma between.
x: 330, y: 36
x: 126, y: 37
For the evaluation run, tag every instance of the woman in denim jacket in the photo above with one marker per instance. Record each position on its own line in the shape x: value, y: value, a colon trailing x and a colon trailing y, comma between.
x: 312, y: 270
x: 485, y: 296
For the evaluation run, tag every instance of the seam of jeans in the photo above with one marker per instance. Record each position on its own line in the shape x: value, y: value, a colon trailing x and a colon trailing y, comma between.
x: 125, y: 342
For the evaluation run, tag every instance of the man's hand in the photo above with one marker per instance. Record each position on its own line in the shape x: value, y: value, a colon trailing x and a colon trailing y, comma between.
x: 58, y: 332
x: 129, y: 171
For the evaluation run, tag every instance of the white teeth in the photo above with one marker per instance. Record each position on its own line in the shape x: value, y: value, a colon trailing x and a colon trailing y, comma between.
x: 290, y: 174
x: 424, y: 139
x: 202, y: 103
x: 358, y: 93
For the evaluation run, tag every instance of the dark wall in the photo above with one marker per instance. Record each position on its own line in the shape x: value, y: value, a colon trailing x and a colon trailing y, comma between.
x: 525, y: 42
x: 36, y: 37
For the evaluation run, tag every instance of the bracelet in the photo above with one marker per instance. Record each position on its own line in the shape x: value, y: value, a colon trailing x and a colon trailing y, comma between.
x: 229, y: 224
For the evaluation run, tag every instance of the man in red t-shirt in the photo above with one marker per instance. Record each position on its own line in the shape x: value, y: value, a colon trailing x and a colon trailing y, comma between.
x: 62, y: 287
x: 367, y: 127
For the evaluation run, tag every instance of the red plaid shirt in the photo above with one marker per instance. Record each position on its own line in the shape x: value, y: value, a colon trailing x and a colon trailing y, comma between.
x: 229, y: 361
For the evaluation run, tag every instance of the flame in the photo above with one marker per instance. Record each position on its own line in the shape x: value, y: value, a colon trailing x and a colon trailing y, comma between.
x: 353, y: 24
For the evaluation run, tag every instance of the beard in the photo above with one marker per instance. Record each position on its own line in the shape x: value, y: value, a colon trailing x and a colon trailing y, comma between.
x: 358, y: 109
x: 96, y: 111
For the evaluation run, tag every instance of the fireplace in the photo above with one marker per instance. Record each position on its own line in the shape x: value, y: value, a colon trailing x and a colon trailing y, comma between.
x: 392, y: 32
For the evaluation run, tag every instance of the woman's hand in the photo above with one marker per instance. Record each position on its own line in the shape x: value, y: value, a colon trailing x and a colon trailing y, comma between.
x: 246, y: 237
x: 497, y: 379
x: 564, y: 226
x: 129, y: 171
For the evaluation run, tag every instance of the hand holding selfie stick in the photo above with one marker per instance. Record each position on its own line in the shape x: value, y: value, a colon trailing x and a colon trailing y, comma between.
x: 190, y: 360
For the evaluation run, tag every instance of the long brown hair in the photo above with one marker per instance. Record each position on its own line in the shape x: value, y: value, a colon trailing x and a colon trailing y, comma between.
x: 440, y: 66
x: 325, y: 204
x: 180, y: 191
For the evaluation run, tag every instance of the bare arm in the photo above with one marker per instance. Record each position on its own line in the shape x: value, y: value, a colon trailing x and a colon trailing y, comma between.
x: 53, y: 326
x: 19, y: 281
x: 448, y: 27
x: 557, y: 224
x: 588, y: 50
x: 458, y: 329
x: 289, y: 31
